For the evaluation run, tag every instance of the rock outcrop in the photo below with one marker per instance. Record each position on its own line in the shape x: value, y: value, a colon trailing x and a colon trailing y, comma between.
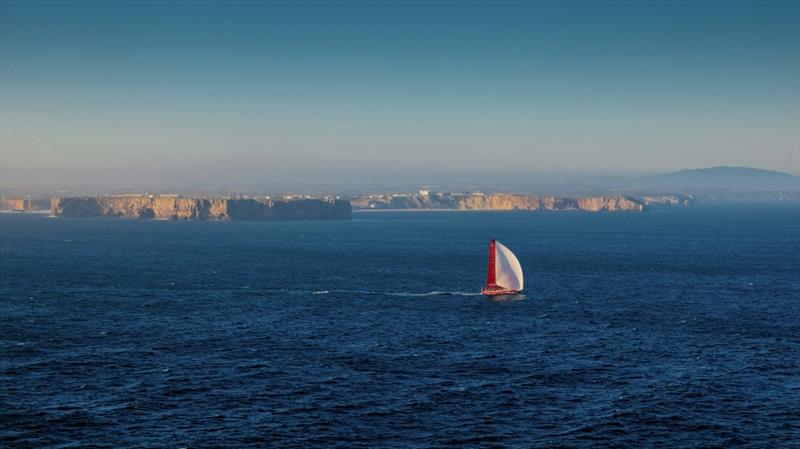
x: 609, y: 203
x: 497, y: 201
x: 188, y: 208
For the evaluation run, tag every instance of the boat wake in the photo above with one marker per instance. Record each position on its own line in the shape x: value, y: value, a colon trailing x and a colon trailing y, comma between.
x: 412, y: 294
x: 371, y: 292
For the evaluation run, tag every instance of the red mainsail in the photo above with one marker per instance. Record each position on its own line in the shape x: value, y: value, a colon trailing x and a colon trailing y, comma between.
x: 490, y: 277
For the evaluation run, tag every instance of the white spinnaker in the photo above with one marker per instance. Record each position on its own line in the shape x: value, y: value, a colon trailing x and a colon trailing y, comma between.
x: 508, y: 271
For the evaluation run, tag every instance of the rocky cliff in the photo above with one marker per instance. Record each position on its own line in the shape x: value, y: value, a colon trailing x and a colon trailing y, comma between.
x: 497, y: 201
x: 526, y: 202
x: 187, y: 208
x: 15, y: 204
x: 24, y: 204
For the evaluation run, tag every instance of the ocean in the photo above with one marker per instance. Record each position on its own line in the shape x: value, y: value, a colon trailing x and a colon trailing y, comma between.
x: 670, y: 328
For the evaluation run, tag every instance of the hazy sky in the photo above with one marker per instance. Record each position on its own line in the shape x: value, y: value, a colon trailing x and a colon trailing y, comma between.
x: 180, y: 91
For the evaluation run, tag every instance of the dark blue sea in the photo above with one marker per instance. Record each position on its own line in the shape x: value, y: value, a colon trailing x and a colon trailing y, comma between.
x: 666, y: 329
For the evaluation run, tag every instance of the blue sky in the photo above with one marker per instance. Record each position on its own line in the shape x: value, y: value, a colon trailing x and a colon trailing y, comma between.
x: 157, y: 91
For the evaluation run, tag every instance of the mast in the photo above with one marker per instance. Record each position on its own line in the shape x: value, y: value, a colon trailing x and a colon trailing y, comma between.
x: 490, y: 277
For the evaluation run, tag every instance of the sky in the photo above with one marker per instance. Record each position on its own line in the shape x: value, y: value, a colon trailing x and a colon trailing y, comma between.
x: 120, y: 92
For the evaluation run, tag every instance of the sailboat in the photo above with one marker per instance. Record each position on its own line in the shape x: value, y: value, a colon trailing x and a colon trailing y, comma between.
x: 505, y: 273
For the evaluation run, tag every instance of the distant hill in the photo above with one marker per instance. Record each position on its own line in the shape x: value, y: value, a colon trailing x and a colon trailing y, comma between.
x: 727, y: 178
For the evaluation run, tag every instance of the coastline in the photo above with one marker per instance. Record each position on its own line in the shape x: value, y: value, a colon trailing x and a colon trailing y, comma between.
x: 476, y: 210
x: 41, y: 212
x: 430, y: 210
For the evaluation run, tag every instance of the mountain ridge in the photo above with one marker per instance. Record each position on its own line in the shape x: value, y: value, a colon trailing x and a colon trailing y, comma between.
x: 725, y: 177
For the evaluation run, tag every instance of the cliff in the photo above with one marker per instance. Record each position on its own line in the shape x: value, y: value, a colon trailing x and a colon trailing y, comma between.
x: 497, y: 201
x: 526, y: 202
x: 15, y: 204
x: 181, y: 208
x: 24, y: 204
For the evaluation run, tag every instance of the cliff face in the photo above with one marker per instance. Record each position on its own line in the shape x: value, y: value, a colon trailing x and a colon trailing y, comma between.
x: 511, y: 202
x: 24, y: 204
x: 17, y: 204
x: 498, y: 201
x: 610, y: 203
x: 179, y: 208
x: 526, y: 202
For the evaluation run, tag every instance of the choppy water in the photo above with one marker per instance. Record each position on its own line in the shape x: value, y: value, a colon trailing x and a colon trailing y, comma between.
x: 675, y: 328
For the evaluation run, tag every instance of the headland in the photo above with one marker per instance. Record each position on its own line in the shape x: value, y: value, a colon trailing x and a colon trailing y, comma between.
x: 327, y: 207
x: 425, y: 200
x: 175, y: 207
